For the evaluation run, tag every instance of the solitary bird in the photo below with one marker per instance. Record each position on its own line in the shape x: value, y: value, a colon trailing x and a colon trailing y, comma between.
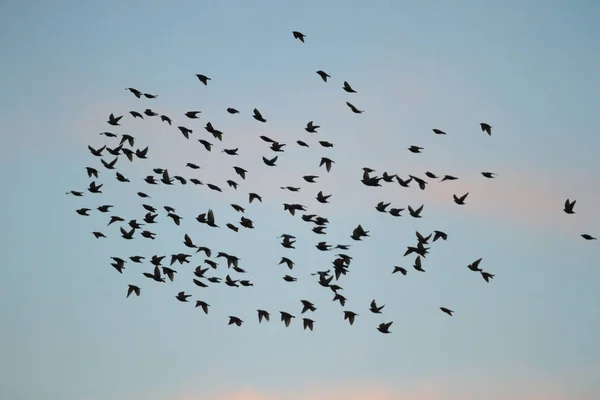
x: 298, y: 35
x: 486, y: 128
x: 203, y: 78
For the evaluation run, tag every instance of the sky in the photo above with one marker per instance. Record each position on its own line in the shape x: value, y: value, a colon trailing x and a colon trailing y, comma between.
x: 528, y: 68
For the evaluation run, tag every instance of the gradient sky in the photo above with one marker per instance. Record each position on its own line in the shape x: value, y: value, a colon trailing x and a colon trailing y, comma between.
x: 529, y: 68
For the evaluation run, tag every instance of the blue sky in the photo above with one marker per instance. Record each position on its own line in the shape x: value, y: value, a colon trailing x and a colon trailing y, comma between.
x: 527, y: 68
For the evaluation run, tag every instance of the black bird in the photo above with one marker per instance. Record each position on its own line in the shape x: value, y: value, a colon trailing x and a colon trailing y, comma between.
x: 486, y: 128
x: 286, y: 318
x: 192, y: 114
x: 83, y: 211
x: 350, y: 316
x: 271, y: 162
x: 488, y: 174
x: 258, y: 116
x: 415, y: 149
x: 91, y: 172
x: 438, y: 132
x: 307, y: 323
x: 354, y: 109
x: 447, y: 311
x: 323, y: 75
x: 136, y: 114
x: 311, y: 128
x: 569, y: 206
x: 132, y: 289
x: 327, y: 162
x: 375, y: 309
x: 588, y: 237
x: 348, y: 88
x: 460, y: 200
x: 232, y: 111
x: 385, y: 327
x: 112, y: 120
x: 310, y: 178
x: 263, y: 314
x: 299, y: 36
x: 203, y: 304
x: 235, y: 320
x: 203, y: 78
x: 136, y: 92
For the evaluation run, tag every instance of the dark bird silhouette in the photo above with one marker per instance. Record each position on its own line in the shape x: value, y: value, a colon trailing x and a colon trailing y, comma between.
x: 385, y: 327
x: 166, y: 119
x: 323, y: 75
x: 258, y: 116
x: 460, y: 200
x: 263, y: 314
x: 231, y: 110
x: 486, y: 128
x: 271, y: 162
x: 299, y: 36
x: 348, y: 88
x: 439, y: 235
x: 203, y: 304
x: 311, y: 128
x: 350, y: 316
x: 448, y: 178
x: 415, y: 213
x: 136, y: 92
x: 488, y: 174
x: 487, y: 276
x: 438, y: 132
x: 447, y: 311
x: 203, y: 78
x: 286, y: 318
x: 415, y: 149
x: 235, y: 320
x: 192, y: 114
x: 241, y: 172
x: 94, y: 188
x: 327, y: 162
x: 207, y: 145
x: 588, y: 237
x: 114, y: 121
x: 133, y: 289
x: 307, y: 323
x: 375, y: 309
x: 569, y: 206
x: 399, y: 269
x: 321, y: 198
x: 310, y: 178
x: 83, y: 211
x: 354, y: 109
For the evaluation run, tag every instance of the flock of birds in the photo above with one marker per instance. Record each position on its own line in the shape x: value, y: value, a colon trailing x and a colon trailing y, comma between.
x: 124, y: 146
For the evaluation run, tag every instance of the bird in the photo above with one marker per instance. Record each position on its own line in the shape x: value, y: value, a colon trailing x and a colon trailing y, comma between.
x: 588, y: 237
x: 447, y: 311
x: 263, y: 314
x: 323, y: 75
x: 299, y: 36
x: 133, y: 289
x: 569, y: 206
x: 486, y: 128
x: 354, y: 109
x: 311, y: 128
x: 348, y: 88
x: 203, y: 78
x: 460, y: 200
x: 258, y: 116
x: 385, y: 327
x: 114, y: 121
